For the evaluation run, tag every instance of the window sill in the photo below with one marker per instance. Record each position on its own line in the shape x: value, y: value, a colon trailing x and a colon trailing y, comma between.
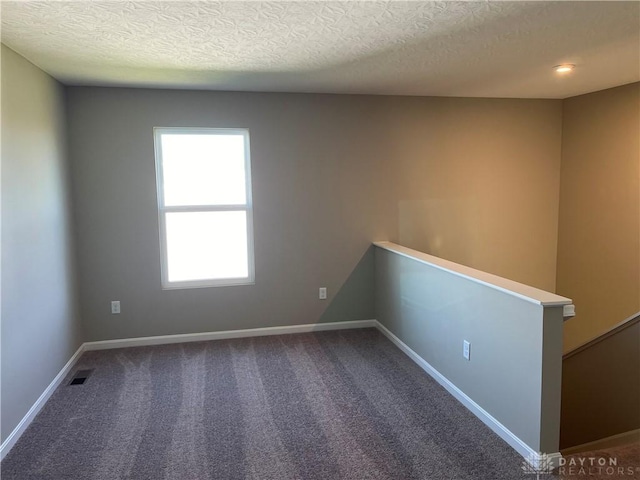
x: 223, y: 283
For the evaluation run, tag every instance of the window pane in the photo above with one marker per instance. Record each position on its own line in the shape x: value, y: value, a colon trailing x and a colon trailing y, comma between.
x: 203, y: 169
x: 206, y: 245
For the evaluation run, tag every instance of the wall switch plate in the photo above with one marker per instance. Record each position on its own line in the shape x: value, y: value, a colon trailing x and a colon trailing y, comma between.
x: 115, y: 306
x: 322, y: 294
x: 466, y: 350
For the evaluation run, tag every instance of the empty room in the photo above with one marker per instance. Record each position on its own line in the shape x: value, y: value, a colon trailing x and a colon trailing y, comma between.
x: 320, y: 240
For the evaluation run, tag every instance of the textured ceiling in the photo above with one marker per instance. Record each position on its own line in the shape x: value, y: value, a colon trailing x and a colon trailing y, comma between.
x: 491, y: 49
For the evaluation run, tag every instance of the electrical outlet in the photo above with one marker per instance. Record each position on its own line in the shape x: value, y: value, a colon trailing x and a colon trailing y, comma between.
x: 115, y: 306
x: 322, y: 294
x: 466, y: 350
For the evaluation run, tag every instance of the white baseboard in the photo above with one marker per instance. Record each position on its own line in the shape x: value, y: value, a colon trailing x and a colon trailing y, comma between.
x: 205, y: 336
x: 608, y: 442
x: 11, y: 440
x: 161, y: 340
x: 530, y: 455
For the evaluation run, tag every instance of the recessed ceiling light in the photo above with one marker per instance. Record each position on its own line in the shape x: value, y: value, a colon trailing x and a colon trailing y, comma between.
x: 564, y: 68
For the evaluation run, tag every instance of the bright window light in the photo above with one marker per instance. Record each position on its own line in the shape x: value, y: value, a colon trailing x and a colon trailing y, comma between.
x: 204, y: 207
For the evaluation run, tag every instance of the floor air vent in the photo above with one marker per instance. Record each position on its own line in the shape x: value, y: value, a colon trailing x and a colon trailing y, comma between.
x: 80, y: 377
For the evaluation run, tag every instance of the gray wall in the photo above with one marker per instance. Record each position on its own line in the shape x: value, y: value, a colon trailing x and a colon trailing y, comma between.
x: 320, y: 193
x: 40, y: 326
x: 330, y: 174
x: 510, y: 374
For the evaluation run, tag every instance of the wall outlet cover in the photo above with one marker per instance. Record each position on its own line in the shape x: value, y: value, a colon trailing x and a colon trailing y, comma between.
x: 115, y: 306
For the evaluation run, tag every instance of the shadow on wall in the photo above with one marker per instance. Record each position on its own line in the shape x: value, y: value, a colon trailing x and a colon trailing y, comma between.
x: 354, y: 300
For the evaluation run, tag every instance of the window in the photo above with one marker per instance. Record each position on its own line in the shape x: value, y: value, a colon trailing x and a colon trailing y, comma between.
x: 204, y: 206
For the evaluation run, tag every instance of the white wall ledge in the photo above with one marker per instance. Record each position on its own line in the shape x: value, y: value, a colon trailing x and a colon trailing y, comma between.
x: 526, y: 292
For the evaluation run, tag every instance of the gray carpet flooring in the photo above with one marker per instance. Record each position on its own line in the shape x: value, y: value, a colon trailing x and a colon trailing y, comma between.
x: 329, y: 405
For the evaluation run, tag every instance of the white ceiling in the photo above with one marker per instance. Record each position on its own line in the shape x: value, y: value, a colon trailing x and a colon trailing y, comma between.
x: 472, y: 49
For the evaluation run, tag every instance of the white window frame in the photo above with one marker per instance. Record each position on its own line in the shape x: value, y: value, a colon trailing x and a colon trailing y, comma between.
x: 163, y: 210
